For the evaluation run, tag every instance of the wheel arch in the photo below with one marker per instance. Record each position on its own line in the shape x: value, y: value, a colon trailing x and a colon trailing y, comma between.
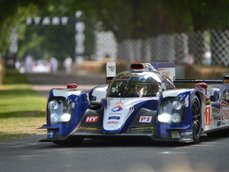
x: 200, y: 114
x: 201, y: 97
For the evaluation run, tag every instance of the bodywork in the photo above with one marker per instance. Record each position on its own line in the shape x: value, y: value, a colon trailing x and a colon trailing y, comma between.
x: 141, y: 102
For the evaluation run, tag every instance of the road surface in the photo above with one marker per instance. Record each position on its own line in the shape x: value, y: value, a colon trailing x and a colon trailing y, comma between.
x: 29, y: 155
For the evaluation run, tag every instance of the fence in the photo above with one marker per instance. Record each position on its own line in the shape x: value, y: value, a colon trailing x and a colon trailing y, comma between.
x: 208, y: 47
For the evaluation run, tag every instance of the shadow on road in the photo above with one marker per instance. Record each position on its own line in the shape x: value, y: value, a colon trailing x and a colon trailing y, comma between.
x: 127, y: 142
x: 135, y: 142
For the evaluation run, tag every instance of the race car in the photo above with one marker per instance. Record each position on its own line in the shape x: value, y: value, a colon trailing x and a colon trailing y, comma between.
x: 141, y: 102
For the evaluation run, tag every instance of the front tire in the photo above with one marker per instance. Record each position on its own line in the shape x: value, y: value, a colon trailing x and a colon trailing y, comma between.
x: 196, y: 119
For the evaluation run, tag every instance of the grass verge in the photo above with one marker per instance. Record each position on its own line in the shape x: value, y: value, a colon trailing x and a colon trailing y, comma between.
x: 22, y: 110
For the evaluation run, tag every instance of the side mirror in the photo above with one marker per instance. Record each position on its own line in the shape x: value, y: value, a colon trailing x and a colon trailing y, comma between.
x: 92, y: 98
x: 215, y: 97
x: 95, y: 105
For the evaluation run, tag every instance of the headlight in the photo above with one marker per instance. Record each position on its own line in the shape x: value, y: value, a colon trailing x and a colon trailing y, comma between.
x: 60, y: 111
x: 177, y: 105
x: 164, y: 117
x: 54, y: 118
x: 65, y: 117
x: 53, y: 104
x: 176, y: 118
x: 169, y: 118
x: 171, y: 110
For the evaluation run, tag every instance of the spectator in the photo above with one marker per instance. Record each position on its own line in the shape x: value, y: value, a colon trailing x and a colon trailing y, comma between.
x: 68, y: 65
x: 28, y: 63
x: 54, y: 64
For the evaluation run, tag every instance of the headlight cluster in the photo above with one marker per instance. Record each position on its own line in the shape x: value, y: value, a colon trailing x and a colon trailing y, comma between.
x: 59, y: 111
x: 171, y: 110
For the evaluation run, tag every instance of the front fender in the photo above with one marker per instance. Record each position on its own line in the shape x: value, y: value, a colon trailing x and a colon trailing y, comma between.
x: 176, y: 92
x: 186, y: 123
x: 70, y: 101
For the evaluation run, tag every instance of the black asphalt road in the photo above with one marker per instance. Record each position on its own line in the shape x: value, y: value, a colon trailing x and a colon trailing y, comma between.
x: 30, y: 155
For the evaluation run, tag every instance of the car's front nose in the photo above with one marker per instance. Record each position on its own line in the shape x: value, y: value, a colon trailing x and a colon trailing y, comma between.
x: 130, y: 115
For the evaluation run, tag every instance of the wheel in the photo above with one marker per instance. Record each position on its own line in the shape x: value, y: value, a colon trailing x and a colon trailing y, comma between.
x: 71, y: 141
x: 196, y: 119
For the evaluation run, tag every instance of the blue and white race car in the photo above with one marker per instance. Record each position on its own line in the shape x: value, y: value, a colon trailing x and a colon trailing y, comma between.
x: 142, y: 102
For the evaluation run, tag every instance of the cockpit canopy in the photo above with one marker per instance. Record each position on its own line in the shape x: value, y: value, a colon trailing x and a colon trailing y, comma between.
x: 138, y: 84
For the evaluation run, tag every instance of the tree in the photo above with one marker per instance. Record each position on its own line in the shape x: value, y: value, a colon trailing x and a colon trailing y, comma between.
x: 209, y: 14
x: 139, y: 18
x: 11, y: 14
x: 128, y: 19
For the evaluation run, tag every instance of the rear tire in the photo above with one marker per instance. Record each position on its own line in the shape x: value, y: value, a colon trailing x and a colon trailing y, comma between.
x: 196, y: 119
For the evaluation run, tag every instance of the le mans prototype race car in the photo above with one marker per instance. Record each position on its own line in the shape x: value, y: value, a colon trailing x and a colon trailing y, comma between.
x: 142, y: 102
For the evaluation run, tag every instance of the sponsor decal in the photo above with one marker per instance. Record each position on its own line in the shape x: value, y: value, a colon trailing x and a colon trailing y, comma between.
x: 114, y: 117
x: 92, y: 119
x: 142, y: 128
x: 119, y: 103
x: 117, y: 108
x: 186, y: 133
x: 225, y: 113
x: 224, y: 110
x: 112, y: 122
x: 111, y: 69
x: 145, y: 119
x: 215, y: 113
x: 88, y: 128
x: 225, y: 103
x: 114, y: 114
x: 50, y: 134
x: 218, y: 123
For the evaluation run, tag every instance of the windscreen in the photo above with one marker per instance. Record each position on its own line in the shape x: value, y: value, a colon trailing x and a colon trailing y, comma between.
x: 133, y: 87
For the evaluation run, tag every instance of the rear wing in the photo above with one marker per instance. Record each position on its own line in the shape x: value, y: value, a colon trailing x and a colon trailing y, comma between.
x: 165, y: 69
x: 187, y: 81
x: 224, y: 80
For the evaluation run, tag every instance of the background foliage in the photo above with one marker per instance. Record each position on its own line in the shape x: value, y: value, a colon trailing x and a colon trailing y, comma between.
x: 126, y: 18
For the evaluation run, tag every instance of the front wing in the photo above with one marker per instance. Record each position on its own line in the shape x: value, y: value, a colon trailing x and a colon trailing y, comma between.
x: 91, y: 127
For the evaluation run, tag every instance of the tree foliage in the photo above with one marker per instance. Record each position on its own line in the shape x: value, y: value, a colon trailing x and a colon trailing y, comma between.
x: 11, y: 14
x: 144, y: 18
x: 209, y: 14
x: 126, y: 18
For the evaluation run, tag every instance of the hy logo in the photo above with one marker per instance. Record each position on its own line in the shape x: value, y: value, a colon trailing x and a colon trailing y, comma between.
x: 116, y: 108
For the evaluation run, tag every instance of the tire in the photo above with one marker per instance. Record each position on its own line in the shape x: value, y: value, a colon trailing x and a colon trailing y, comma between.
x: 71, y: 141
x: 196, y: 119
